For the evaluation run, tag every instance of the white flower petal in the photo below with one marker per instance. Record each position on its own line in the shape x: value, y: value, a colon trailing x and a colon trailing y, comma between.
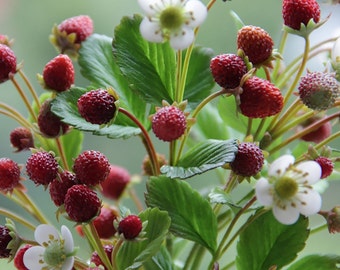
x: 287, y: 216
x: 199, y: 12
x: 32, y: 258
x: 311, y: 202
x: 151, y: 31
x: 67, y: 236
x: 336, y: 50
x: 43, y: 233
x: 148, y: 6
x: 262, y: 191
x: 312, y: 169
x: 68, y: 263
x: 183, y: 39
x: 280, y: 165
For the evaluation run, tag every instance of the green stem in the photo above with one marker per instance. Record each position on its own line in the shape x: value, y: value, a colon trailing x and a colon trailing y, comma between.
x: 319, y: 228
x: 191, y: 257
x: 30, y: 88
x: 62, y: 154
x: 178, y: 75
x: 22, y: 221
x: 281, y: 48
x: 115, y: 251
x: 135, y: 199
x: 328, y: 140
x: 11, y: 112
x: 249, y: 126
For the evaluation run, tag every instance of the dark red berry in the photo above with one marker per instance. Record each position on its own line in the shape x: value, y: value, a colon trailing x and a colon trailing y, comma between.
x: 19, y: 258
x: 104, y: 222
x: 5, y: 238
x: 326, y: 165
x: 81, y: 26
x: 9, y: 175
x: 319, y: 134
x: 97, y: 106
x: 81, y: 203
x: 60, y: 185
x: 42, y: 167
x: 21, y: 138
x: 8, y: 63
x: 91, y: 167
x: 96, y: 259
x: 130, y: 227
x: 248, y: 160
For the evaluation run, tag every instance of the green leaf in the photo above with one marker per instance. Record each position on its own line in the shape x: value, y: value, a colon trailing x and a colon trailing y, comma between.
x: 132, y: 254
x: 98, y: 65
x: 65, y: 106
x: 161, y: 261
x: 191, y: 215
x: 203, y: 157
x: 317, y: 262
x: 150, y: 68
x: 266, y: 242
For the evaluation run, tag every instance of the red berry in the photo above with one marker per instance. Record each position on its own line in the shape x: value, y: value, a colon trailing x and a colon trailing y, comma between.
x: 5, y: 238
x: 42, y: 167
x: 318, y: 90
x: 60, y: 185
x: 228, y: 70
x: 8, y: 63
x: 260, y: 98
x: 169, y: 123
x: 248, y: 160
x: 91, y: 167
x: 115, y: 183
x: 326, y: 165
x: 21, y: 138
x: 130, y: 227
x: 96, y: 259
x: 295, y: 12
x: 104, y: 222
x: 81, y: 26
x: 19, y: 258
x: 9, y: 175
x: 50, y: 124
x: 81, y: 203
x: 319, y: 134
x: 256, y: 43
x: 97, y: 106
x: 58, y: 73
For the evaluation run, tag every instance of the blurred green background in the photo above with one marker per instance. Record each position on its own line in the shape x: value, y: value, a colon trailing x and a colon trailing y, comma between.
x: 29, y: 23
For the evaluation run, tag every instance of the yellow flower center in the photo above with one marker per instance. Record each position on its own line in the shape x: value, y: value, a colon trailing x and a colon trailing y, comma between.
x: 171, y: 18
x: 286, y: 187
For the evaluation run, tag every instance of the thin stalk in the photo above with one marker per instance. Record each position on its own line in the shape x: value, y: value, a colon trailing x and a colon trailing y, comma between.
x: 15, y: 115
x: 178, y: 74
x: 210, y: 4
x: 259, y: 128
x: 172, y: 153
x: 249, y: 126
x: 17, y: 218
x: 30, y: 87
x: 191, y: 256
x: 281, y: 48
x: 79, y: 264
x: 328, y: 140
x: 135, y: 199
x: 319, y: 228
x: 62, y: 154
x: 114, y: 253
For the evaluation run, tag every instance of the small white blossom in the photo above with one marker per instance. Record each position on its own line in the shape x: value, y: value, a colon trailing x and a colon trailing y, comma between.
x: 55, y: 251
x: 288, y: 189
x: 172, y: 20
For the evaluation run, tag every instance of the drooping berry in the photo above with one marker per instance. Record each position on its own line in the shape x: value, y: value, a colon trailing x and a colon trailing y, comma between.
x: 256, y: 43
x: 81, y: 26
x: 5, y: 238
x: 50, y: 124
x: 9, y: 175
x: 42, y: 167
x: 326, y: 165
x: 297, y: 12
x: 319, y: 134
x: 60, y: 185
x: 104, y: 222
x: 91, y: 167
x: 260, y: 98
x: 58, y: 74
x: 318, y: 90
x: 97, y: 106
x: 228, y: 70
x: 130, y: 227
x: 21, y: 138
x: 248, y: 160
x: 81, y: 203
x: 8, y: 63
x: 19, y: 258
x: 96, y: 259
x: 169, y: 123
x: 115, y: 183
x: 147, y: 167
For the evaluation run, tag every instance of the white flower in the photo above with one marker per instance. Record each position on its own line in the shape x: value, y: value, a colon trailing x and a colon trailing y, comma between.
x: 288, y: 189
x: 172, y: 20
x: 55, y: 251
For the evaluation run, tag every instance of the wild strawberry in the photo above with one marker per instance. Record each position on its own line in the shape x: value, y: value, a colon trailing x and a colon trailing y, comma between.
x: 50, y: 124
x: 8, y: 63
x: 81, y: 26
x: 42, y: 167
x: 146, y: 166
x: 60, y: 185
x: 248, y: 161
x: 104, y: 222
x: 297, y: 12
x: 21, y: 138
x: 256, y: 43
x: 58, y: 74
x: 91, y: 167
x: 5, y: 238
x: 9, y: 175
x: 319, y: 134
x: 116, y: 182
x: 318, y: 90
x: 96, y: 259
x: 169, y: 123
x: 260, y: 98
x: 19, y: 258
x: 228, y: 70
x: 97, y: 106
x: 81, y: 203
x: 326, y: 165
x: 130, y: 227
